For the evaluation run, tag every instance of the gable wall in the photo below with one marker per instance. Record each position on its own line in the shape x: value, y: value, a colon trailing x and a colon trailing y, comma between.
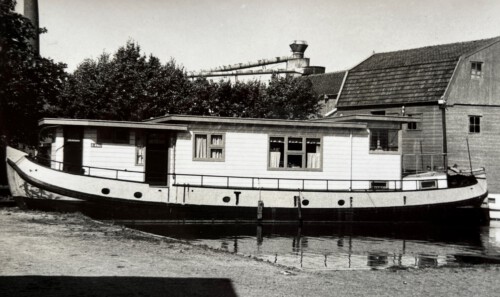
x: 484, y: 90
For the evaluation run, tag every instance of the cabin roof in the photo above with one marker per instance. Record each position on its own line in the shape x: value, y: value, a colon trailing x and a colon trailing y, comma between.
x: 181, y: 122
x: 371, y: 118
x: 257, y: 122
x: 419, y: 75
x: 113, y: 124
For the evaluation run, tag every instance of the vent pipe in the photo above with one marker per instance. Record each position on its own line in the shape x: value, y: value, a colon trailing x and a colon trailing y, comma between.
x: 298, y: 48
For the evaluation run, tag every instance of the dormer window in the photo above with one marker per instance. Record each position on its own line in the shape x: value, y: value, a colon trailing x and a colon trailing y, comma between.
x: 476, y: 69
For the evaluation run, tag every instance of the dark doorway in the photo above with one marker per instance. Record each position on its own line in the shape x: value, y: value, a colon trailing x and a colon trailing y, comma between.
x: 73, y: 149
x: 156, y: 159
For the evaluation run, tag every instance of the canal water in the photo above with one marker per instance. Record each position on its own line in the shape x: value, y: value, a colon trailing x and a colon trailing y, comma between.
x: 346, y: 246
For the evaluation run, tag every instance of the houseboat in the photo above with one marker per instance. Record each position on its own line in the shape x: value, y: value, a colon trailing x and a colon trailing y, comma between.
x: 201, y: 169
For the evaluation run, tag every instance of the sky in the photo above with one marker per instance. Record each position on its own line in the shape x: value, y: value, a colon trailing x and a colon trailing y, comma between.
x: 209, y: 33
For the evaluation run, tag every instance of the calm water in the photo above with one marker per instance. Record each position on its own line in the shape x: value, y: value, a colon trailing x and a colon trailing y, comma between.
x: 344, y: 247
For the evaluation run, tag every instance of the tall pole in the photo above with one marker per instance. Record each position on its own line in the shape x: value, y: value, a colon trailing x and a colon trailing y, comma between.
x: 468, y: 150
x: 31, y: 13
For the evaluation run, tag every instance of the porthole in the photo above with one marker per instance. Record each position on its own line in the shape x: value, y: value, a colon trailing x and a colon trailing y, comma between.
x: 305, y: 202
x: 226, y: 199
x: 138, y: 195
x: 341, y: 202
x: 105, y: 191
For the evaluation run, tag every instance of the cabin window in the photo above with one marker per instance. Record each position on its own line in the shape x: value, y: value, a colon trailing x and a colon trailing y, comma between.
x: 209, y: 147
x: 379, y: 185
x: 384, y: 140
x: 113, y: 135
x: 378, y: 112
x: 292, y: 153
x: 476, y: 69
x: 474, y: 124
x: 428, y: 184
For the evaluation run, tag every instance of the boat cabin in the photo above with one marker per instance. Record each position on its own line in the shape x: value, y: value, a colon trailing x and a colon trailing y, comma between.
x: 354, y: 153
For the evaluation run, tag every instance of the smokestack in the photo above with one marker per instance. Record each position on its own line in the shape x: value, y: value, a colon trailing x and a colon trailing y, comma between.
x: 31, y: 13
x: 298, y: 48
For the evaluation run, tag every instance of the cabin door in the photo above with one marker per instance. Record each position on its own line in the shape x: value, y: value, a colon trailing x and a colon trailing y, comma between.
x: 73, y: 149
x: 157, y: 159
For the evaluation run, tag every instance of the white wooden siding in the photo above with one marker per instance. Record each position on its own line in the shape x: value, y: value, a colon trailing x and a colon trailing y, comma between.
x: 57, y: 149
x: 247, y: 156
x: 109, y: 155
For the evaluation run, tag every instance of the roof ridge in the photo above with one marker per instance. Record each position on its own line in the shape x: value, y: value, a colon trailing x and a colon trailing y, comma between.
x: 440, y: 45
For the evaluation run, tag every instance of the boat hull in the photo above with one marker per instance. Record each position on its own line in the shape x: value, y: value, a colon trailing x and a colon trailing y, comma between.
x: 37, y: 187
x: 124, y: 211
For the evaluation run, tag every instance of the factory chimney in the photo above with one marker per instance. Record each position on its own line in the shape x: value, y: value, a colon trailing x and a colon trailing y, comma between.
x: 298, y: 48
x: 31, y: 13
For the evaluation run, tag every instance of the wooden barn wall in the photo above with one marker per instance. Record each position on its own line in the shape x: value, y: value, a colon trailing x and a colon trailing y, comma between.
x: 246, y: 154
x: 480, y: 97
x: 481, y: 91
x: 484, y: 146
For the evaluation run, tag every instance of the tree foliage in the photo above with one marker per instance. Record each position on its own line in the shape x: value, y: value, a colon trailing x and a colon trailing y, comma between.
x: 290, y: 98
x: 132, y: 86
x: 29, y: 84
x: 127, y: 86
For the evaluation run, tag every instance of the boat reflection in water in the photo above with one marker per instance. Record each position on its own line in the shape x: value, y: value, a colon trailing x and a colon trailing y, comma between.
x: 344, y: 247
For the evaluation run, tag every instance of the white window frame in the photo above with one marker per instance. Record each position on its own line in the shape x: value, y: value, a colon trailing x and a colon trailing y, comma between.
x: 302, y: 152
x: 210, y: 147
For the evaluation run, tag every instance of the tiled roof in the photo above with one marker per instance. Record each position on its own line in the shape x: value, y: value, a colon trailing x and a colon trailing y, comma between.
x: 407, y: 76
x: 326, y: 83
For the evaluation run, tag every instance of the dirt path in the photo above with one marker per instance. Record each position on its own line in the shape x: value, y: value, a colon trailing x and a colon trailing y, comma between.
x: 69, y: 255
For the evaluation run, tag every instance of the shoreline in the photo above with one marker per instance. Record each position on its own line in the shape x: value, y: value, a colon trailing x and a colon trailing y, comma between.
x: 60, y: 254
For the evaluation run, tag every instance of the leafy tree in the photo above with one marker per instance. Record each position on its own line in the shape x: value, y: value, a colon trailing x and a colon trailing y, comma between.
x: 128, y: 86
x: 28, y: 83
x: 132, y: 86
x: 290, y: 98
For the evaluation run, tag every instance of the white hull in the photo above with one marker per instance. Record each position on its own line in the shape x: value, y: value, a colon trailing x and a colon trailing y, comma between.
x: 32, y: 181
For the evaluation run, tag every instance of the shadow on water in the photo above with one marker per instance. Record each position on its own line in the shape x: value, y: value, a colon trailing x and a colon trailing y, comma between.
x: 347, y: 246
x: 113, y: 286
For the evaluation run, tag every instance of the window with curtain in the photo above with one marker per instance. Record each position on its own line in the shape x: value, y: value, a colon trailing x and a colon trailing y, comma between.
x: 208, y: 147
x: 294, y: 153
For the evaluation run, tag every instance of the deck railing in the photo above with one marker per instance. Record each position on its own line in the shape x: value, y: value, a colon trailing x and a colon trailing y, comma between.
x: 242, y: 182
x: 419, y: 163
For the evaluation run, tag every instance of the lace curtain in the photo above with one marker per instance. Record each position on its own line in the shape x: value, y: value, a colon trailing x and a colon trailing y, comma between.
x: 314, y: 159
x: 201, y: 147
x: 274, y: 161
